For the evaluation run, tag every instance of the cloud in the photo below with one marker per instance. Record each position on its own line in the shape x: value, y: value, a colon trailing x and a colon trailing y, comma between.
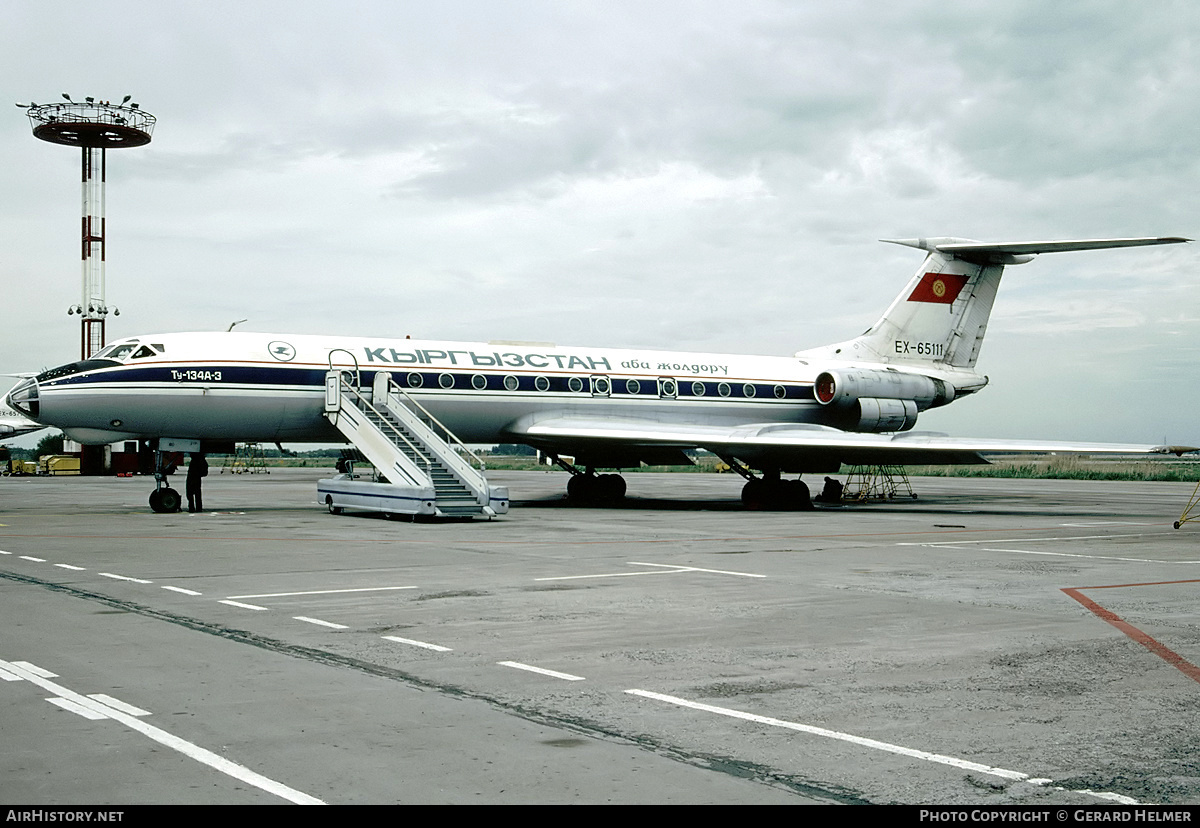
x: 690, y: 175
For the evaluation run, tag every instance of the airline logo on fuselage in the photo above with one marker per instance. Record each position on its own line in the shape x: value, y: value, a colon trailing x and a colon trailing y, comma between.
x: 281, y: 351
x: 495, y: 359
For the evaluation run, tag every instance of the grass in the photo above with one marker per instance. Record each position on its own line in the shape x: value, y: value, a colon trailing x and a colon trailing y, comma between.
x: 1056, y: 468
x: 1071, y: 468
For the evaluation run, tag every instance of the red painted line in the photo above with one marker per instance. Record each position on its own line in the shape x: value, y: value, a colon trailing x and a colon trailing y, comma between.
x: 1162, y: 651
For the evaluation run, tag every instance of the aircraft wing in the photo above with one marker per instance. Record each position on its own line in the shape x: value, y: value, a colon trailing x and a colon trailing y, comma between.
x: 11, y: 427
x: 792, y: 447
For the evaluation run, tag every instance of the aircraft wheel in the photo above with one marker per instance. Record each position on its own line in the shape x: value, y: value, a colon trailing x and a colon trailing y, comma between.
x: 333, y: 510
x: 797, y: 495
x: 156, y: 501
x: 169, y: 500
x: 754, y: 494
x: 576, y: 486
x: 610, y: 488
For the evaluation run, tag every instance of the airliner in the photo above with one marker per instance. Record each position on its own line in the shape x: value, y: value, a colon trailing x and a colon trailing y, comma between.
x: 853, y: 402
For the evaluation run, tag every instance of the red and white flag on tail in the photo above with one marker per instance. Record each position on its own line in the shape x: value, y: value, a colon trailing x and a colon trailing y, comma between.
x: 939, y: 288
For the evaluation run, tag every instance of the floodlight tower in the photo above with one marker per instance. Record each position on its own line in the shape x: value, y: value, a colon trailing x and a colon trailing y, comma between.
x: 95, y: 127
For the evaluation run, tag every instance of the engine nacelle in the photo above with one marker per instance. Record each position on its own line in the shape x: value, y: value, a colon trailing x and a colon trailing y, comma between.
x: 885, y: 415
x: 844, y: 387
x: 878, y: 401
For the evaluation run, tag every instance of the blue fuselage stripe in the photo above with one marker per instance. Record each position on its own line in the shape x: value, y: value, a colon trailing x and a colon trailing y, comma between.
x: 439, y: 381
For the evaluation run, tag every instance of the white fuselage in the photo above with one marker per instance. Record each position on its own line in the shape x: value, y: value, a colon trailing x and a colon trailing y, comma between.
x: 269, y: 387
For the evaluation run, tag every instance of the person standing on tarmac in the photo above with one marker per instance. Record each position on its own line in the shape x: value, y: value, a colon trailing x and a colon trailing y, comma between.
x: 197, y: 471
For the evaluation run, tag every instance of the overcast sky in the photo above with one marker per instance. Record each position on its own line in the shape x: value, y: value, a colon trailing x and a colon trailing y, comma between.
x: 676, y: 175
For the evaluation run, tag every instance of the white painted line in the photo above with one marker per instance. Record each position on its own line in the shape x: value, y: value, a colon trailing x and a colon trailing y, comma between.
x: 977, y: 544
x: 243, y: 606
x: 329, y: 624
x: 424, y: 644
x: 320, y: 592
x: 69, y: 566
x: 31, y: 558
x: 834, y: 734
x: 33, y: 668
x: 78, y: 709
x: 196, y: 752
x: 125, y: 578
x: 2, y: 552
x: 698, y: 569
x: 552, y: 673
x: 1077, y: 555
x: 7, y: 676
x: 874, y: 744
x: 664, y: 569
x: 117, y: 704
x: 606, y: 575
x: 182, y: 590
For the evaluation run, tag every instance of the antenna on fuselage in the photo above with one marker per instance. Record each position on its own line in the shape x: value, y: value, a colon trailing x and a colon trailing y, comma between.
x: 231, y: 324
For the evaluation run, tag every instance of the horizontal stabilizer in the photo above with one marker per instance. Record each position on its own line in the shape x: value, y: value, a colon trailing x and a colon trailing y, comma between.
x: 1000, y: 252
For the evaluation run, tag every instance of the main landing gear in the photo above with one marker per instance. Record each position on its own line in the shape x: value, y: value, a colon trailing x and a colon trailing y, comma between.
x: 586, y: 488
x: 771, y: 493
x: 163, y: 499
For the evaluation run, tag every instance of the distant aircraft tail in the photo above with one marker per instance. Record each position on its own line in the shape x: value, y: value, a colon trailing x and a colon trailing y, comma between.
x: 941, y: 316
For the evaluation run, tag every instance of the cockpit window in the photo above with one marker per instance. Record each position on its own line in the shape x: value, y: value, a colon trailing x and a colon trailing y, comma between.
x: 144, y: 351
x: 121, y: 350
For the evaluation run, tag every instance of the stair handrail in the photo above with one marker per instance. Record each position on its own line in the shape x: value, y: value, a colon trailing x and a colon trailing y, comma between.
x: 453, y: 437
x: 357, y: 370
x: 363, y: 401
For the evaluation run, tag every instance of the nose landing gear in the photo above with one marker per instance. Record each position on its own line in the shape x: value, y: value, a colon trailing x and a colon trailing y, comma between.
x: 163, y: 499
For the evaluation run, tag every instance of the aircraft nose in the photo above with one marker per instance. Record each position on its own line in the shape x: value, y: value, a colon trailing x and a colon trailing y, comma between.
x: 24, y: 398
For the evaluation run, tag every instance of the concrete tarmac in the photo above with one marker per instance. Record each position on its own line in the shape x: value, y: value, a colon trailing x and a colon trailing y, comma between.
x: 991, y: 642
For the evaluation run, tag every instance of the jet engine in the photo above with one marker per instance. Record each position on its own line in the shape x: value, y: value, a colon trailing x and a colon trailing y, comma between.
x: 878, y: 401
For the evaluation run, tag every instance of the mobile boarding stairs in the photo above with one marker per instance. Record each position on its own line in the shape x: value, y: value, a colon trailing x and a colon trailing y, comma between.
x: 419, y: 472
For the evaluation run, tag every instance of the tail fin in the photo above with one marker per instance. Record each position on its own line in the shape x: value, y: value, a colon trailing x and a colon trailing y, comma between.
x: 941, y: 316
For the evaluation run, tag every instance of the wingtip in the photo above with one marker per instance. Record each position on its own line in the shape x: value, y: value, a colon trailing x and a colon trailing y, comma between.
x: 1178, y: 451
